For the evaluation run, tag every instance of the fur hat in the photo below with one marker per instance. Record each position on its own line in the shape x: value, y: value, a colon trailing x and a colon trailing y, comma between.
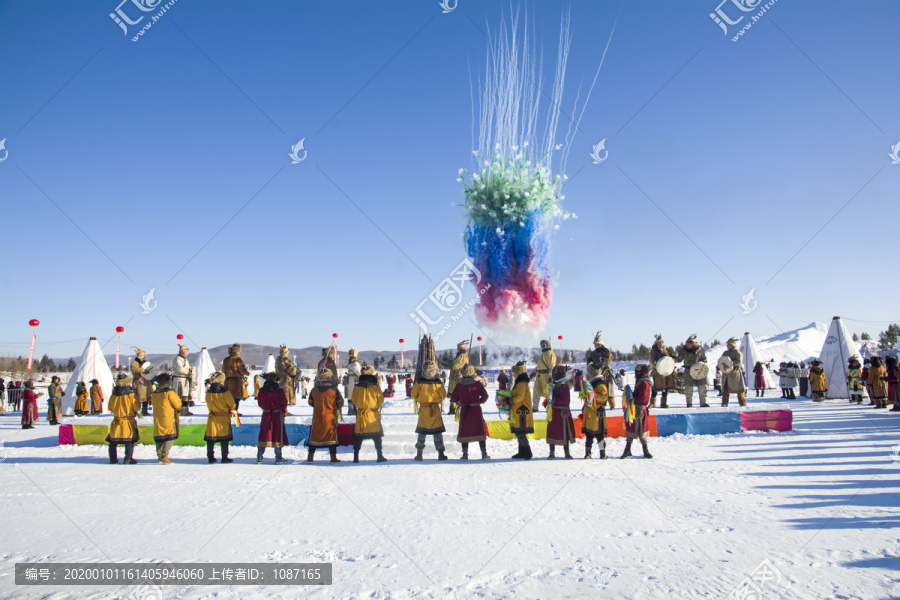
x: 182, y: 348
x: 659, y: 338
x: 354, y: 353
x: 217, y: 377
x: 890, y: 361
x: 29, y: 385
x: 854, y: 359
x: 519, y: 368
x: 468, y: 371
x: 733, y: 341
x: 284, y: 350
x: 55, y: 378
x: 597, y: 339
x: 462, y: 346
x: 270, y: 376
x: 368, y: 370
x: 138, y: 352
x: 815, y: 363
x: 324, y: 375
x: 641, y: 370
x: 692, y: 339
x: 124, y: 379
x: 430, y: 370
x: 876, y: 361
x: 559, y: 371
x: 545, y: 345
x: 234, y: 350
x: 328, y: 352
x: 163, y: 379
x: 95, y: 382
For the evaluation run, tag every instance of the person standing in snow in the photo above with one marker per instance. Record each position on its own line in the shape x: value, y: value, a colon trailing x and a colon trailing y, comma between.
x: 272, y: 432
x: 878, y: 382
x: 218, y: 424
x: 601, y: 358
x: 123, y: 430
x: 521, y: 417
x: 692, y: 353
x: 733, y: 378
x: 326, y: 400
x: 661, y: 383
x: 865, y: 381
x: 638, y: 429
x: 469, y: 394
x: 457, y: 367
x: 96, y: 397
x: 560, y: 426
x: 542, y: 375
x: 81, y: 399
x: 593, y: 413
x: 166, y: 408
x: 354, y: 371
x: 817, y: 381
x: 368, y: 399
x: 54, y: 400
x: 759, y: 380
x: 502, y: 381
x: 407, y: 379
x: 803, y: 373
x: 29, y: 405
x: 428, y: 394
x: 328, y: 362
x: 182, y: 378
x: 287, y: 372
x: 235, y: 375
x: 854, y: 379
x: 893, y: 383
x: 142, y: 387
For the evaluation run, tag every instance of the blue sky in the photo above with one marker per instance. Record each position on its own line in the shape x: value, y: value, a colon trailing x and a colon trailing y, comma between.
x: 761, y: 163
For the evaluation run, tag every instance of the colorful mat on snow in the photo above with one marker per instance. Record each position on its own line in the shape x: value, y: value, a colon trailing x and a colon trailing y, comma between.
x: 707, y: 423
x: 189, y: 435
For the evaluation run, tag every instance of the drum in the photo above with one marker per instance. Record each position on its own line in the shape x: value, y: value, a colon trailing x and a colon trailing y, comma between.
x: 665, y: 366
x: 699, y: 371
x: 725, y: 364
x: 151, y: 370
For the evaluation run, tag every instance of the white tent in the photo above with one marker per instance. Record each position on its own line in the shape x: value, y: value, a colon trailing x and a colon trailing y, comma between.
x: 270, y: 365
x: 752, y: 356
x: 91, y: 365
x: 202, y: 370
x: 836, y: 351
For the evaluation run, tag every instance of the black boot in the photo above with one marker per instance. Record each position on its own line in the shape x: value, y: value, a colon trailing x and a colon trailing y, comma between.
x: 587, y: 448
x: 465, y: 449
x: 602, y: 445
x: 129, y: 454
x: 113, y: 455
x: 483, y: 446
x: 441, y: 455
x: 627, y: 452
x: 419, y: 454
x: 225, y: 458
x: 210, y: 452
x: 665, y: 400
x: 381, y: 457
x: 357, y: 444
x: 566, y: 450
x: 552, y: 453
x: 644, y: 448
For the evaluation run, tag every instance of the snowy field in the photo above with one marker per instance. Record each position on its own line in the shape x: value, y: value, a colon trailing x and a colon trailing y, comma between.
x: 820, y: 504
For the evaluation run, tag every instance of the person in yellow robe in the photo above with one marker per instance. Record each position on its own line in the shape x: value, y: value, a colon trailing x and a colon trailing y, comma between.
x: 545, y: 366
x: 124, y: 406
x: 428, y: 395
x: 96, y: 397
x: 593, y: 413
x: 166, y: 409
x: 368, y: 398
x: 817, y: 381
x: 220, y: 403
x: 81, y: 401
x: 521, y: 415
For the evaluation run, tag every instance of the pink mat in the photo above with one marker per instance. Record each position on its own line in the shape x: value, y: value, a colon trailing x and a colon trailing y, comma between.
x: 767, y: 420
x: 66, y: 435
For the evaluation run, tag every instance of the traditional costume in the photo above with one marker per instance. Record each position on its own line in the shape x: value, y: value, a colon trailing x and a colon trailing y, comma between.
x: 459, y: 364
x: 354, y: 370
x: 542, y: 371
x: 235, y: 375
x: 428, y: 394
x: 218, y: 424
x: 521, y: 417
x: 561, y: 427
x: 367, y: 398
x: 54, y: 400
x: 664, y: 384
x: 593, y: 412
x: 692, y: 354
x: 637, y: 411
x: 733, y: 379
x: 272, y: 432
x: 166, y: 409
x: 469, y: 394
x: 124, y: 406
x: 81, y: 401
x: 817, y: 381
x: 287, y: 374
x: 878, y: 382
x: 29, y: 405
x: 182, y: 379
x: 96, y: 397
x: 326, y: 400
x: 854, y: 380
x: 142, y: 386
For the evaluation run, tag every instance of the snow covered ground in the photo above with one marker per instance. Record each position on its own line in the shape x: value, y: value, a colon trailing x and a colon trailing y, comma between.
x: 820, y: 504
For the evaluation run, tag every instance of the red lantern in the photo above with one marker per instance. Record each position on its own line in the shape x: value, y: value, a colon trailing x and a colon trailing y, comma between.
x: 334, y: 335
x: 402, y: 340
x: 478, y: 338
x: 559, y: 337
x: 120, y: 329
x: 179, y: 337
x: 34, y: 322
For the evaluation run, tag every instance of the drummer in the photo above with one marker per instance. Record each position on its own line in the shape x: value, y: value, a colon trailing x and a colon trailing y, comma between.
x: 661, y: 382
x: 695, y: 370
x: 732, y: 373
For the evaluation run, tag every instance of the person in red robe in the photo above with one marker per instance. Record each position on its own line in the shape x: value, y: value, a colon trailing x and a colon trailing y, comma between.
x: 561, y: 427
x: 29, y: 405
x: 638, y: 429
x: 409, y: 386
x: 502, y: 381
x: 272, y: 432
x: 469, y: 394
x: 759, y: 382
